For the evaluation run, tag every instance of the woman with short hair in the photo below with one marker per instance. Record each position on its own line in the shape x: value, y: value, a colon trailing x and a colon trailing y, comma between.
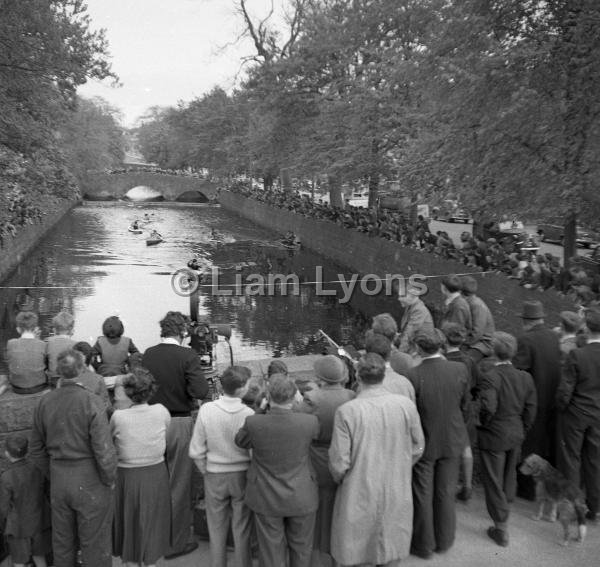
x: 142, y: 495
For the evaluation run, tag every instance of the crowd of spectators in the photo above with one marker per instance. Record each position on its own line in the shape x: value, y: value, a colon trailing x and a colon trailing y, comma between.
x: 358, y: 464
x: 157, y: 170
x: 514, y: 255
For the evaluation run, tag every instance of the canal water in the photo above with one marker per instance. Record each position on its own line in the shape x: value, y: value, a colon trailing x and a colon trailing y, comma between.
x: 93, y: 267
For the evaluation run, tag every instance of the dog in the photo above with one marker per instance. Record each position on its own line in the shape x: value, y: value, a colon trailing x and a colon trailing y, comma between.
x: 566, y: 500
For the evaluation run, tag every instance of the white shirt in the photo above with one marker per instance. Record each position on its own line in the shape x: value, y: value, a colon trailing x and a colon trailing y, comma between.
x: 451, y: 298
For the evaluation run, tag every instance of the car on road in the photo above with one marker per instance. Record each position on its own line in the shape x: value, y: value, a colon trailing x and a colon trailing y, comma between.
x: 513, y: 229
x: 359, y: 199
x: 551, y: 232
x: 451, y: 211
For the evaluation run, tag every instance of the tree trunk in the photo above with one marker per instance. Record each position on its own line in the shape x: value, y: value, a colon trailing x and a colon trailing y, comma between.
x: 267, y: 181
x: 374, y: 176
x: 335, y: 190
x: 286, y: 180
x: 570, y: 244
x: 477, y: 224
x: 373, y: 189
x: 412, y: 214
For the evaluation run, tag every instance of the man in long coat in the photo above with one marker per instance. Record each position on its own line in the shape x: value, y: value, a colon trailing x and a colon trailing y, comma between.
x: 376, y: 439
x: 538, y: 352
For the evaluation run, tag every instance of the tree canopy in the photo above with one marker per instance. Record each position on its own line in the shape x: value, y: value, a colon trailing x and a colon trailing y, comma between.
x: 496, y: 102
x: 49, y: 137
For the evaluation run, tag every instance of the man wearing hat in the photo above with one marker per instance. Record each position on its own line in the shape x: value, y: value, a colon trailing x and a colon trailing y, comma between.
x: 331, y: 374
x: 538, y: 352
x: 578, y: 400
x: 479, y: 338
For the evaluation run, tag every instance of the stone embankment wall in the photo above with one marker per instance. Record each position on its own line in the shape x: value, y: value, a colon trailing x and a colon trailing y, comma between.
x: 16, y: 416
x: 15, y: 248
x: 368, y: 255
x: 16, y: 412
x: 115, y: 185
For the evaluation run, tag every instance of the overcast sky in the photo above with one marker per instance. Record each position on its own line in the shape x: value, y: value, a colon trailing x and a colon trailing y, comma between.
x: 168, y: 50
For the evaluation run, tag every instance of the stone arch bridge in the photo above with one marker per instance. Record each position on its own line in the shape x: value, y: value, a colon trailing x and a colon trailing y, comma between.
x: 159, y: 186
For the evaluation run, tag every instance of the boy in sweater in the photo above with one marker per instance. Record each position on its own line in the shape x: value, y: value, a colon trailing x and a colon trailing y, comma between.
x: 26, y: 356
x: 63, y: 325
x: 223, y: 465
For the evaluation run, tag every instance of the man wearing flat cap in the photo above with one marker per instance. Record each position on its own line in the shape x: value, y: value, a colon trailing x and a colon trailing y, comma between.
x: 331, y: 374
x: 538, y: 352
x: 578, y: 400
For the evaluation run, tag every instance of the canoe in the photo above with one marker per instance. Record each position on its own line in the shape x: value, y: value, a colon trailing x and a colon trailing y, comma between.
x: 152, y: 241
x: 295, y: 246
x: 135, y: 230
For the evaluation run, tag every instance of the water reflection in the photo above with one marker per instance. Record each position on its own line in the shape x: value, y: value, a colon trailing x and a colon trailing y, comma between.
x: 92, y: 266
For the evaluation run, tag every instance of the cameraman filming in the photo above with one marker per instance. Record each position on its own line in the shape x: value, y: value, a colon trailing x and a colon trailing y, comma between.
x: 180, y: 378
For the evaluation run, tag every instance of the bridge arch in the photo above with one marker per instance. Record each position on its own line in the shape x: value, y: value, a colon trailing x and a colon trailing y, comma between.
x: 192, y: 197
x: 143, y: 193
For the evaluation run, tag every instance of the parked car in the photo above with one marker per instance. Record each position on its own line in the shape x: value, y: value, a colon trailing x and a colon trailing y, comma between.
x: 549, y: 232
x: 359, y: 198
x: 451, y: 211
x: 514, y: 229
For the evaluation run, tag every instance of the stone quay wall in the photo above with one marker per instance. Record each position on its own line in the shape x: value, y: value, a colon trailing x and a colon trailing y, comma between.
x: 16, y: 416
x: 372, y: 255
x: 15, y: 248
x: 16, y: 411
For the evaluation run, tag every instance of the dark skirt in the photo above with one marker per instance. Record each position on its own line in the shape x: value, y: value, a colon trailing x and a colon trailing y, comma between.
x: 142, y: 514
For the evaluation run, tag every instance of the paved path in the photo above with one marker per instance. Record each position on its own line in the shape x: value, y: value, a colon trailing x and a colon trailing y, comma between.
x: 532, y: 544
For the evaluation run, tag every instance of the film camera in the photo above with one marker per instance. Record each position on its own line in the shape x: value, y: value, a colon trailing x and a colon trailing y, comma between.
x: 203, y: 339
